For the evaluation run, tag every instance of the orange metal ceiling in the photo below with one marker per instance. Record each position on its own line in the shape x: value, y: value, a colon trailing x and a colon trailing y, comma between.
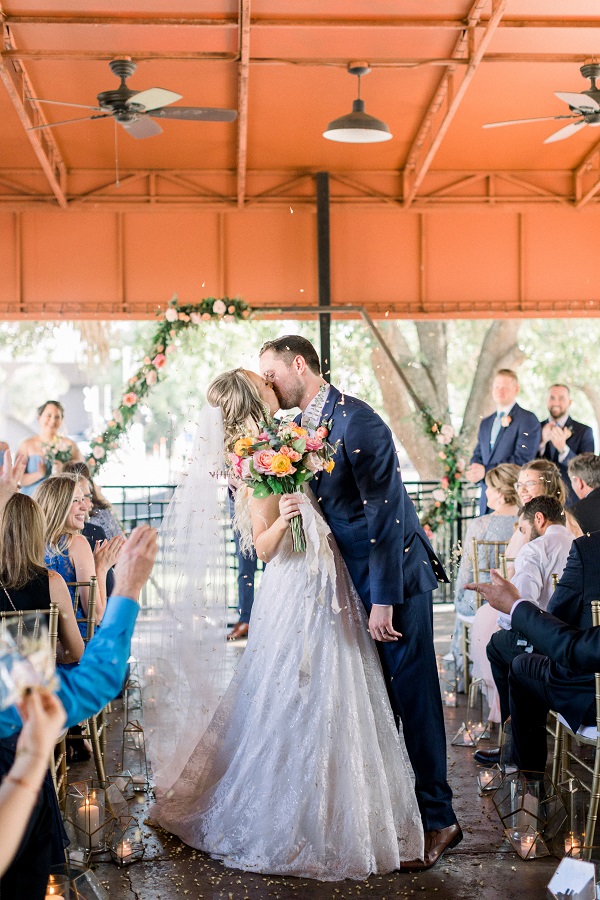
x: 439, y: 72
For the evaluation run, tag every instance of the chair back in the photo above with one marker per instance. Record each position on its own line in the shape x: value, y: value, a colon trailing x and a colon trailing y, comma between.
x: 12, y: 617
x: 92, y: 588
x: 492, y: 558
x: 555, y: 577
x: 596, y: 622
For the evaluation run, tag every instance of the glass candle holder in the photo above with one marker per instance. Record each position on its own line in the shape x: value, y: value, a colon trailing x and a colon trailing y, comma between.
x: 58, y: 886
x: 126, y: 845
x: 133, y: 756
x: 86, y: 817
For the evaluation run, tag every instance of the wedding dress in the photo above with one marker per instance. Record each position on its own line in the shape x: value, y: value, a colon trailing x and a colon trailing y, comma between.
x: 301, y: 770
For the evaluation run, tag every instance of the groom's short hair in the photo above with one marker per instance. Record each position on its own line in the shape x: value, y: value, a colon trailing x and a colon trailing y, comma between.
x: 290, y: 346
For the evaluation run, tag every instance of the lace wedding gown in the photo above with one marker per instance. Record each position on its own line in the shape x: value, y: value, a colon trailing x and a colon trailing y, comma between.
x: 302, y: 770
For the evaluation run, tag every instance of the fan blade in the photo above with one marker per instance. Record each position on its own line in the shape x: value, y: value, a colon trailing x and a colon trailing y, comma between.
x: 68, y: 122
x: 565, y: 132
x: 195, y: 113
x: 578, y: 101
x: 524, y: 121
x: 154, y: 97
x: 141, y: 128
x: 60, y: 103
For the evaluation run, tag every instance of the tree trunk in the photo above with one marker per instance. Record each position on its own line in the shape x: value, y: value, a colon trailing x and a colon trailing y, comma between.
x: 427, y: 373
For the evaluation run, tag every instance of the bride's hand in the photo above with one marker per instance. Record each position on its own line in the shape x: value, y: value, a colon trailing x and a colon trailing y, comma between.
x: 289, y: 506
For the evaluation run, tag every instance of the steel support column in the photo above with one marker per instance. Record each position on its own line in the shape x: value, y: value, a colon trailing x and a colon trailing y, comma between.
x: 324, y: 270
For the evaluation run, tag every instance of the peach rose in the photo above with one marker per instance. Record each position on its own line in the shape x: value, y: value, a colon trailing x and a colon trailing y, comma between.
x: 206, y: 316
x: 261, y: 460
x: 159, y: 360
x: 183, y: 317
x: 151, y: 377
x: 321, y: 432
x: 219, y: 308
x: 196, y: 318
x: 130, y: 399
x: 99, y: 452
x: 313, y: 443
x: 291, y: 454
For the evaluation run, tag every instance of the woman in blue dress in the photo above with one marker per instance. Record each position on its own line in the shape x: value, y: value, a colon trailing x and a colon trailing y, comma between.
x: 47, y: 451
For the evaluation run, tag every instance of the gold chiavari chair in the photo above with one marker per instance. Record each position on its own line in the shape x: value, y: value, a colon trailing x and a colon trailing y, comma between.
x: 492, y: 554
x: 94, y: 728
x: 57, y: 763
x: 565, y: 756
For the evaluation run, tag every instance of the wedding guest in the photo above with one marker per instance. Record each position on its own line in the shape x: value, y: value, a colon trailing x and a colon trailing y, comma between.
x: 47, y: 451
x: 43, y: 718
x: 510, y: 435
x: 499, y: 525
x: 3, y: 449
x: 538, y: 478
x: 562, y: 437
x: 549, y: 544
x: 584, y: 515
x: 561, y: 680
x: 25, y: 582
x: 101, y: 512
x: 84, y: 690
x: 94, y: 534
x: 67, y: 551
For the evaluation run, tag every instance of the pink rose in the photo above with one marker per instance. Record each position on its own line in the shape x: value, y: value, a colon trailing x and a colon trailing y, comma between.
x: 314, y: 443
x: 219, y: 308
x: 99, y: 452
x: 445, y: 482
x: 262, y: 461
x: 246, y: 473
x: 321, y: 432
x: 171, y: 314
x: 236, y: 463
x: 263, y: 436
x: 130, y: 399
x: 151, y: 377
x: 159, y: 360
x: 448, y: 431
x: 196, y: 318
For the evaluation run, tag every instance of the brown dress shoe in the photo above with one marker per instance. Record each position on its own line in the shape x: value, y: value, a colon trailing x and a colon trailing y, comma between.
x: 238, y: 631
x: 436, y: 844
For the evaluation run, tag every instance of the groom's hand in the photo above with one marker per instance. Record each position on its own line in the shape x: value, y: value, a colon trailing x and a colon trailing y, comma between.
x: 380, y: 624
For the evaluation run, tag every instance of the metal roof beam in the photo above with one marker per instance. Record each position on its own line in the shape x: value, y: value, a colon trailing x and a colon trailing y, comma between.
x: 243, y: 75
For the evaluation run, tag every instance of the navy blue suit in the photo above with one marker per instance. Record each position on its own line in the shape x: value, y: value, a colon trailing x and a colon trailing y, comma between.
x: 581, y: 441
x: 390, y: 561
x: 516, y: 443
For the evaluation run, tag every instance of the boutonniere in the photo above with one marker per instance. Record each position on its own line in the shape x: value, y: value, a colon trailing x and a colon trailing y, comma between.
x: 505, y: 421
x: 324, y: 429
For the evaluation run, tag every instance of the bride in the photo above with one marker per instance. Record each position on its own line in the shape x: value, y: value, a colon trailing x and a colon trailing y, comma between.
x: 299, y: 769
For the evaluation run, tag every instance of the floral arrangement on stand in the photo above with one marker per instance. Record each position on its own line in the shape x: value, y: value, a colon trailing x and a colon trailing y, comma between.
x: 446, y: 499
x: 177, y: 317
x: 280, y: 460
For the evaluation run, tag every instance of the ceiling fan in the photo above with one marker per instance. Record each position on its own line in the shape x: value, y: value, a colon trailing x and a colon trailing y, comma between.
x: 136, y: 110
x: 585, y: 108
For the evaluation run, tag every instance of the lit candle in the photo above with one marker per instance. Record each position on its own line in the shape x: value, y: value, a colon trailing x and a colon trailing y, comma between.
x: 88, y: 816
x: 572, y: 845
x: 51, y: 894
x: 450, y: 698
x: 486, y: 777
x: 124, y: 850
x: 528, y: 845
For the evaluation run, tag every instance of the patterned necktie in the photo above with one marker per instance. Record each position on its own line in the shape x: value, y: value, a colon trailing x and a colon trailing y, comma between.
x: 496, y: 425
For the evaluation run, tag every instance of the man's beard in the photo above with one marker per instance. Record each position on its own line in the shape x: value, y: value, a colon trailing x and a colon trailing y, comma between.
x: 289, y: 396
x: 534, y: 533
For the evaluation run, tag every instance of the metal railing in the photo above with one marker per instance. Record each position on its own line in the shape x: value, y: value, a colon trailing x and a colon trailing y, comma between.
x: 146, y: 504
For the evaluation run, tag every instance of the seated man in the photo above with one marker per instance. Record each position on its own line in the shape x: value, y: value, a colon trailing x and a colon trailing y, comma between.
x: 561, y: 680
x: 584, y: 515
x: 549, y: 543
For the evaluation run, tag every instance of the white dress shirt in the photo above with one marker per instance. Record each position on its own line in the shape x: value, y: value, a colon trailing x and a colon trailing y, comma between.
x: 536, y: 563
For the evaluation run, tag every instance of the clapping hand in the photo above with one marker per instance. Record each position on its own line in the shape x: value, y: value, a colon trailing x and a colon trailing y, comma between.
x: 499, y: 593
x: 135, y: 561
x: 10, y: 479
x: 106, y: 553
x: 559, y: 437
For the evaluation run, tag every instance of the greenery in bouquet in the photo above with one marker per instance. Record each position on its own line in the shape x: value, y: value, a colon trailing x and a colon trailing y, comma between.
x: 57, y: 451
x: 280, y: 460
x: 445, y: 505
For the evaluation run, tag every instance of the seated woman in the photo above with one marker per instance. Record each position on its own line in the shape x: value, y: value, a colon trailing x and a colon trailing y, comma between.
x: 67, y: 551
x: 47, y: 451
x: 25, y: 582
x: 101, y: 512
x: 496, y: 526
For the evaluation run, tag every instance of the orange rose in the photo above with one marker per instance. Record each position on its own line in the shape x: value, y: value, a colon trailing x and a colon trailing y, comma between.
x: 240, y: 448
x: 297, y: 429
x: 281, y: 465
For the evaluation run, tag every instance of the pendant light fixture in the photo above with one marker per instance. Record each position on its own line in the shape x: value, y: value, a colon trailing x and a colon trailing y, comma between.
x: 358, y: 127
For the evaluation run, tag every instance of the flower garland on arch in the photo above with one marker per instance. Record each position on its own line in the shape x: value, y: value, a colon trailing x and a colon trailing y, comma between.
x: 177, y: 317
x: 446, y: 499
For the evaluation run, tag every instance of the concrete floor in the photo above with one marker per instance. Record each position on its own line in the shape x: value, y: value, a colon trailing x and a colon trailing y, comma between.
x: 482, y: 866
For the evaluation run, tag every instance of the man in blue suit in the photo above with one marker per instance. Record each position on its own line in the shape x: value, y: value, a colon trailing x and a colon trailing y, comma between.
x: 562, y: 437
x: 510, y: 435
x: 391, y: 563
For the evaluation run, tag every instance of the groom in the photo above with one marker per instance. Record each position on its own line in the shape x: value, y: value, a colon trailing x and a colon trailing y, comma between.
x: 390, y: 561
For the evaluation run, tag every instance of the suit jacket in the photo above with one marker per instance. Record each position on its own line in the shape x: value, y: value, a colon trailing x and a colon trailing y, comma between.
x: 587, y: 512
x: 372, y: 518
x: 581, y: 441
x: 575, y: 649
x: 516, y: 443
x: 578, y: 584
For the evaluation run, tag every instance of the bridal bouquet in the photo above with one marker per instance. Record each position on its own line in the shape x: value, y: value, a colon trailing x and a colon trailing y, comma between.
x: 280, y: 460
x: 57, y: 451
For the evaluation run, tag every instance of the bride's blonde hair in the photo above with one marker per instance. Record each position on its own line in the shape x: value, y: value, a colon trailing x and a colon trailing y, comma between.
x: 240, y: 403
x: 243, y: 410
